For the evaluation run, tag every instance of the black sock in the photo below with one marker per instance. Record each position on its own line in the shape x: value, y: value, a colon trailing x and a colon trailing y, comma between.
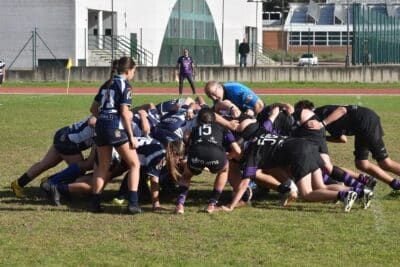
x: 284, y: 187
x: 24, y: 180
x: 395, y: 184
x: 215, y: 195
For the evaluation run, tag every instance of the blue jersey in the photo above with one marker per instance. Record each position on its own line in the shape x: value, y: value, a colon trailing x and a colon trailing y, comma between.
x: 240, y: 95
x: 110, y: 99
x: 81, y: 133
x: 173, y: 126
x: 151, y: 155
x: 169, y: 106
x: 152, y: 118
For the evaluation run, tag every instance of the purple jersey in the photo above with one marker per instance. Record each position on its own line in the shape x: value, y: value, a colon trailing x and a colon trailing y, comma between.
x: 185, y: 65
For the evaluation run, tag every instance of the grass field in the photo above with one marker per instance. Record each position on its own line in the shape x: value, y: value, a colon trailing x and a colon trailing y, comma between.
x: 304, y: 234
x: 94, y: 84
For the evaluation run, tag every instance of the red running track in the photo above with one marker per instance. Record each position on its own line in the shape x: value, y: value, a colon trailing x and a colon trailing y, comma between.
x: 174, y: 91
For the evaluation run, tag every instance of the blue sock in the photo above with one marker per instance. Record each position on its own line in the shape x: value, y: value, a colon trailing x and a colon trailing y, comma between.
x: 133, y: 198
x: 123, y: 189
x: 395, y: 184
x: 71, y: 172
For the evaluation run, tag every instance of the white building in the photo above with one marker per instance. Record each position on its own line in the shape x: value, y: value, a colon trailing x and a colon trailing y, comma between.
x: 153, y: 31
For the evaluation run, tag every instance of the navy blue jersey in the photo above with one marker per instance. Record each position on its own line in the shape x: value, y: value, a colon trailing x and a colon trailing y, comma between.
x: 137, y: 123
x: 213, y: 134
x: 173, y: 125
x: 110, y: 99
x: 151, y: 155
x: 169, y: 106
x: 81, y: 133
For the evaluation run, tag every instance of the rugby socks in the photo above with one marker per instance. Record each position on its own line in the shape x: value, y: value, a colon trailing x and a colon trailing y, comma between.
x: 395, y: 184
x: 284, y: 187
x: 328, y: 180
x: 123, y: 189
x: 95, y: 203
x: 24, y: 180
x: 215, y: 195
x: 71, y: 172
x: 133, y: 198
x: 182, y: 193
x: 358, y: 190
x: 342, y: 195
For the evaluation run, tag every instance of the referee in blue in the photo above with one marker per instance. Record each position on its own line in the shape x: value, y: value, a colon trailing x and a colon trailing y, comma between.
x: 240, y: 95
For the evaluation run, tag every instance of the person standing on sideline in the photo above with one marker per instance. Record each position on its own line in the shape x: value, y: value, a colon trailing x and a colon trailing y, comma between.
x: 185, y: 68
x: 244, y: 49
x: 2, y: 71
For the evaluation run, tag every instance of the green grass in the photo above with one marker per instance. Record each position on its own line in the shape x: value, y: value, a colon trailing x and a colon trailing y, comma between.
x: 96, y: 84
x: 304, y: 234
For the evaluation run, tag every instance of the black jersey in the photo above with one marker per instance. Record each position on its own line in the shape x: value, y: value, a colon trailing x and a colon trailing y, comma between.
x: 212, y: 133
x: 282, y: 125
x: 262, y: 152
x: 357, y: 120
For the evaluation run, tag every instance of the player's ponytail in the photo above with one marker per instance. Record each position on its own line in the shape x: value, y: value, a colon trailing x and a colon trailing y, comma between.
x: 114, y: 71
x: 175, y: 150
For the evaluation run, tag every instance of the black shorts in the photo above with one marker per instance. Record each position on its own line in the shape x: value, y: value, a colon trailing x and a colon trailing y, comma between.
x: 321, y: 145
x: 364, y: 144
x: 62, y: 143
x: 110, y: 137
x: 369, y: 138
x: 206, y: 155
x: 302, y: 157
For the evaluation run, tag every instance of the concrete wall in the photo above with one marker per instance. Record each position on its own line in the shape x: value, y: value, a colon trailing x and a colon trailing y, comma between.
x: 373, y: 74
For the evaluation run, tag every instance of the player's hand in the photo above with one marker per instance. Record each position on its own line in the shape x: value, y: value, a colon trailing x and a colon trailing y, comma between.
x: 314, y: 125
x: 189, y: 114
x: 250, y: 112
x: 133, y: 143
x: 233, y: 125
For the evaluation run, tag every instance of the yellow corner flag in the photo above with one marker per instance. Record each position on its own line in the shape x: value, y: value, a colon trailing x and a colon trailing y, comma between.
x: 69, y: 64
x: 68, y: 67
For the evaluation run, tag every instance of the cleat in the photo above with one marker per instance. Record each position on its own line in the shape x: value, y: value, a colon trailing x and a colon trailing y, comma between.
x: 45, y: 186
x: 369, y: 181
x: 210, y: 208
x: 119, y: 201
x: 367, y: 198
x: 179, y: 209
x: 134, y: 209
x: 290, y: 196
x: 349, y: 200
x: 55, y: 195
x: 18, y: 190
x: 95, y: 207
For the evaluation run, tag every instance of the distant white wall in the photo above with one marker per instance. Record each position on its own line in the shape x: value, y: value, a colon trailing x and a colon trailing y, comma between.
x: 53, y: 20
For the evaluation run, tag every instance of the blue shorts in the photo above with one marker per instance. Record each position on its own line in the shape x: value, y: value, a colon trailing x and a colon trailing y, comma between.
x: 62, y: 143
x: 110, y: 137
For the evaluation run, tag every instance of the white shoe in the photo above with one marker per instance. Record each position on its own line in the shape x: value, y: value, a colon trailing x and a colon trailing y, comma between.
x: 289, y: 196
x: 367, y: 198
x: 349, y: 200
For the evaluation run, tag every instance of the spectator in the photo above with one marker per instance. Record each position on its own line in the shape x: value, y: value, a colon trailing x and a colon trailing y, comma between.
x: 244, y: 49
x: 185, y: 66
x: 2, y: 71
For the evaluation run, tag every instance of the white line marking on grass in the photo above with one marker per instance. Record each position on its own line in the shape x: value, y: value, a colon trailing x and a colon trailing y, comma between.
x: 380, y: 221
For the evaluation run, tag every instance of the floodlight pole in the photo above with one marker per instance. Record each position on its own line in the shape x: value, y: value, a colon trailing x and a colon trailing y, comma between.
x: 347, y: 63
x: 222, y: 37
x: 112, y: 31
x: 283, y: 30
